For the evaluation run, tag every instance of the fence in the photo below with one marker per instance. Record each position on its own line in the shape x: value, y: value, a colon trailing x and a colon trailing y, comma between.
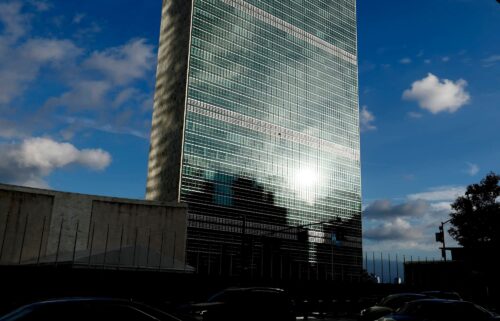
x: 390, y: 268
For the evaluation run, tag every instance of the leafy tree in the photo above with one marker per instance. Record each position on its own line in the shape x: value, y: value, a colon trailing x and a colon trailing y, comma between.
x: 476, y: 215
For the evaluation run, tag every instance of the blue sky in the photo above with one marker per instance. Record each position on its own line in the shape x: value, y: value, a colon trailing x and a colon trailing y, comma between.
x: 77, y: 80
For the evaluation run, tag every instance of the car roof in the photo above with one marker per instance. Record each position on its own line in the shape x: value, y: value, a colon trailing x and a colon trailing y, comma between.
x: 405, y: 294
x: 439, y: 301
x: 255, y: 289
x: 69, y: 300
x: 82, y: 299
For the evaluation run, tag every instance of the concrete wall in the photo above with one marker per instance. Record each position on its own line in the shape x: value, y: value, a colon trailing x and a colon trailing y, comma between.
x: 43, y: 227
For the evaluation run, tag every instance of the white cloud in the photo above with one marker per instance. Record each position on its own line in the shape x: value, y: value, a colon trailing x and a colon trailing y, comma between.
x: 87, y: 32
x: 409, y: 225
x: 30, y: 161
x: 124, y: 96
x: 441, y: 206
x: 472, y: 169
x: 437, y: 95
x: 78, y: 18
x: 10, y: 129
x: 398, y: 229
x: 41, y: 5
x: 117, y: 67
x: 382, y: 209
x: 427, y: 61
x: 46, y: 154
x: 124, y: 64
x: 102, y: 85
x: 443, y: 193
x: 49, y: 50
x: 84, y: 95
x: 15, y: 23
x: 76, y: 124
x: 405, y: 61
x: 491, y: 60
x: 21, y: 64
x: 413, y: 114
x: 366, y: 119
x: 445, y: 59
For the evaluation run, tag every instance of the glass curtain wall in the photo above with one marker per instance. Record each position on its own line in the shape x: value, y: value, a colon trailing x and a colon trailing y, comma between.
x: 271, y: 141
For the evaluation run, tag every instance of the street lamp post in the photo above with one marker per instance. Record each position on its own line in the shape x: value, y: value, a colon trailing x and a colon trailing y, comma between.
x: 440, y: 238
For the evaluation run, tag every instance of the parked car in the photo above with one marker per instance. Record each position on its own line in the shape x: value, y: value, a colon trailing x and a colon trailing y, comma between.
x: 448, y: 295
x: 85, y: 309
x: 253, y: 303
x: 388, y: 305
x: 440, y: 310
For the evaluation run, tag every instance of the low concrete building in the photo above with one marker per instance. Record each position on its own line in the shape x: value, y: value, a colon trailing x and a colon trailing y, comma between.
x: 40, y: 226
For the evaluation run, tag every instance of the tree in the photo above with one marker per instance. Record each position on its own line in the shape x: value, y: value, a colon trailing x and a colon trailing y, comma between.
x: 476, y: 215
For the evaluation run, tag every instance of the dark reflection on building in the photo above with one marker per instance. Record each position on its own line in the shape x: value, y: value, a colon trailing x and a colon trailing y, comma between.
x: 236, y: 229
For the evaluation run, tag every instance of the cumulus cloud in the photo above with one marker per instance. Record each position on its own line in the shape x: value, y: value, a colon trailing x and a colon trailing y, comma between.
x: 125, y: 63
x: 382, y: 209
x: 410, y: 223
x: 15, y: 23
x: 21, y: 64
x: 116, y: 67
x: 436, y: 95
x: 49, y: 50
x: 442, y: 193
x: 41, y: 5
x: 9, y: 129
x: 396, y: 230
x: 30, y: 161
x: 84, y: 95
x: 366, y: 119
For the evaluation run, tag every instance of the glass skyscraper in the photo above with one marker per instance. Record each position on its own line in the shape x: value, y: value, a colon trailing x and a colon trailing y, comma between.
x: 256, y: 127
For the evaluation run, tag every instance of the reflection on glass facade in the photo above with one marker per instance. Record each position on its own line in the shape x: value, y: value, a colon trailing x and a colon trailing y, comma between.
x: 270, y: 135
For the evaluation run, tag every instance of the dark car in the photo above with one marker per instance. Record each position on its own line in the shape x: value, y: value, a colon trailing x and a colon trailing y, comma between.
x: 248, y: 304
x: 80, y: 309
x: 388, y: 305
x: 448, y: 295
x: 440, y: 310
